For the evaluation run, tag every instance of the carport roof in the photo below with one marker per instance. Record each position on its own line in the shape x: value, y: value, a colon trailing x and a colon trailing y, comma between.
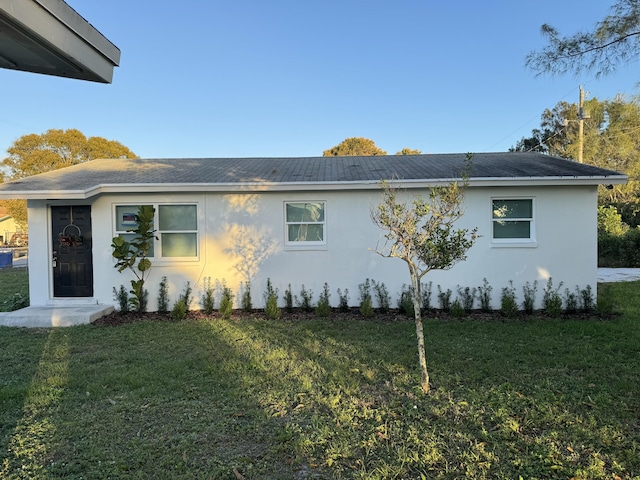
x: 49, y: 37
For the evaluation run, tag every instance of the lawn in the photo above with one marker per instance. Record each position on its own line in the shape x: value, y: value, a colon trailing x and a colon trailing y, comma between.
x: 256, y: 399
x: 13, y: 281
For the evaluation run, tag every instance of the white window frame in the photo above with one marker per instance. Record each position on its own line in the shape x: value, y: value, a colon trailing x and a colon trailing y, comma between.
x: 157, y: 242
x: 531, y: 241
x: 304, y: 245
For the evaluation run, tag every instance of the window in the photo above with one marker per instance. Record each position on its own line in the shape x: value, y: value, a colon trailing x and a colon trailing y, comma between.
x: 513, y: 220
x: 305, y: 223
x: 176, y: 229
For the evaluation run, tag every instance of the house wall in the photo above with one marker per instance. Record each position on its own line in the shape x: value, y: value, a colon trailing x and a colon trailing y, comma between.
x: 242, y: 236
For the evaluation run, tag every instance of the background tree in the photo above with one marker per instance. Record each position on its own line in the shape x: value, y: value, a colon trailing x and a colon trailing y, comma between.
x: 38, y: 153
x: 408, y: 151
x: 611, y: 140
x: 354, y: 146
x: 614, y: 40
x: 422, y: 234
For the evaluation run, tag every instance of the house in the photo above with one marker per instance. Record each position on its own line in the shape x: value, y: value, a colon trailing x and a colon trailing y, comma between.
x: 303, y: 221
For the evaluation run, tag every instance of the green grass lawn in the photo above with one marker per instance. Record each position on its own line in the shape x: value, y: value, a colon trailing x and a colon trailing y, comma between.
x: 12, y: 281
x: 534, y: 398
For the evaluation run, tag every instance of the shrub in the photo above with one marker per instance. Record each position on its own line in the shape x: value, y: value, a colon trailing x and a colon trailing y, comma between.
x: 208, y: 299
x: 163, y: 296
x: 457, y: 309
x: 444, y: 299
x: 551, y: 300
x: 405, y: 302
x: 246, y: 303
x: 426, y: 289
x: 529, y: 292
x: 306, y: 299
x: 508, y: 303
x: 288, y: 300
x: 179, y: 310
x: 466, y: 298
x: 323, y: 308
x: 18, y: 301
x: 484, y: 295
x: 226, y: 302
x: 587, y: 299
x: 185, y: 296
x: 343, y: 300
x: 271, y: 308
x: 571, y: 300
x: 366, y: 304
x: 382, y: 296
x: 122, y: 297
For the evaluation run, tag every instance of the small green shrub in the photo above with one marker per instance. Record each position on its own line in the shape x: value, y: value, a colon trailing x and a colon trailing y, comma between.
x: 551, y: 300
x: 587, y: 299
x: 271, y: 309
x: 323, y: 308
x: 163, y: 296
x: 405, y: 302
x: 343, y: 300
x: 457, y: 309
x: 208, y: 298
x: 466, y: 298
x: 382, y: 296
x: 179, y: 310
x: 247, y: 305
x: 185, y: 296
x: 484, y: 295
x: 444, y: 298
x: 122, y: 297
x: 508, y: 303
x: 426, y: 289
x: 366, y: 303
x: 571, y: 300
x: 226, y: 302
x: 306, y: 299
x: 288, y: 300
x: 529, y: 292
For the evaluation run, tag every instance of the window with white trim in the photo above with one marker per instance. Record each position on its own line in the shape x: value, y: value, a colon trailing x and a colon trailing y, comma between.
x: 513, y: 220
x: 305, y: 223
x: 176, y: 227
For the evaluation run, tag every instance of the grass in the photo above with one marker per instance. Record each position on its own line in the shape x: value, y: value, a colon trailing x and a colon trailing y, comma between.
x: 12, y: 281
x: 541, y: 398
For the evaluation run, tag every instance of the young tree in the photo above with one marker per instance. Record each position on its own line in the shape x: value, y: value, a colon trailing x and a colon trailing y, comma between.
x: 614, y: 40
x: 354, y: 146
x: 422, y: 234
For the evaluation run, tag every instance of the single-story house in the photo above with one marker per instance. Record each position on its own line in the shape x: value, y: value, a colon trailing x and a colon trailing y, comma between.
x: 8, y: 227
x: 303, y: 221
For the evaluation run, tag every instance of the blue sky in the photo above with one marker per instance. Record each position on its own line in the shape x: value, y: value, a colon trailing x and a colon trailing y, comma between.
x: 246, y: 78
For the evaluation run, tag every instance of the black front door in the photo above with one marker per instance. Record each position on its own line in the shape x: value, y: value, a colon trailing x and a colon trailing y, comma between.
x: 72, y: 260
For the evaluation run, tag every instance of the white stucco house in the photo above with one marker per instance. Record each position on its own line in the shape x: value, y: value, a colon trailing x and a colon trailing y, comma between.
x: 303, y: 221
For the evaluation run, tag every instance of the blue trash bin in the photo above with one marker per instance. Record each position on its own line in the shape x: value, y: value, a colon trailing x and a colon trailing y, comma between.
x: 6, y: 258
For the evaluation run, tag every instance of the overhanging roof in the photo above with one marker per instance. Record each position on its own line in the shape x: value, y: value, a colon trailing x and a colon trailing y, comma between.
x: 302, y: 174
x: 49, y: 37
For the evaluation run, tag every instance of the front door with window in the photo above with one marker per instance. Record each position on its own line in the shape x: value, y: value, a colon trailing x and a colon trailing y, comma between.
x: 71, y: 257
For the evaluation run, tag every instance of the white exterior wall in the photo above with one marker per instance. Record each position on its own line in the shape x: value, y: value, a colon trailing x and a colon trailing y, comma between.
x: 245, y: 233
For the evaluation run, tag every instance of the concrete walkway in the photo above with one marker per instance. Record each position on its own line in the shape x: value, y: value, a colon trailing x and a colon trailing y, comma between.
x: 54, y: 316
x: 606, y: 275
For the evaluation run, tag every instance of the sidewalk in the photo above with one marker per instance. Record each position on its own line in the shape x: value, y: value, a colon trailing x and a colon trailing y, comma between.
x: 606, y: 275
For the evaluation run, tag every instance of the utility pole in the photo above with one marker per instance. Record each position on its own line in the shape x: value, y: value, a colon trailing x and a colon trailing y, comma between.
x: 581, y: 117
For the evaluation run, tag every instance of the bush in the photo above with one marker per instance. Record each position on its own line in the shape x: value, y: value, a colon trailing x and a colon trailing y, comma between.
x: 19, y: 301
x: 323, y: 308
x: 444, y: 299
x: 382, y: 296
x: 426, y: 295
x: 247, y: 305
x: 179, y: 310
x: 226, y: 302
x: 405, y: 302
x: 366, y: 304
x: 271, y: 308
x: 122, y: 297
x: 508, y: 303
x: 571, y: 300
x: 484, y: 295
x: 343, y: 300
x: 529, y: 292
x: 457, y: 309
x: 551, y: 300
x: 163, y: 296
x: 288, y: 300
x: 588, y: 301
x: 208, y: 299
x: 306, y: 299
x: 466, y: 298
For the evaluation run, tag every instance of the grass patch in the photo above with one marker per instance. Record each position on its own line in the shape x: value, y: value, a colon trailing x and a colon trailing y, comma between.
x: 12, y: 281
x: 540, y: 398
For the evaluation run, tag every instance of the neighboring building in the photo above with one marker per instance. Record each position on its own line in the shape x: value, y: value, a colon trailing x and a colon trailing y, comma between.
x: 303, y: 221
x: 8, y: 228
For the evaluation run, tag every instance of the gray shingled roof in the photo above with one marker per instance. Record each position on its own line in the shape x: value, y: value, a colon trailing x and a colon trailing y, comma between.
x: 193, y: 173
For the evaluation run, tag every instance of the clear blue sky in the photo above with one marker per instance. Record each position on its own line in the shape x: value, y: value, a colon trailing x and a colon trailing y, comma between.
x: 213, y: 78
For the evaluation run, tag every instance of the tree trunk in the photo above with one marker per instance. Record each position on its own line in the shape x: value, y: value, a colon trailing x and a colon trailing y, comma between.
x: 417, y: 305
